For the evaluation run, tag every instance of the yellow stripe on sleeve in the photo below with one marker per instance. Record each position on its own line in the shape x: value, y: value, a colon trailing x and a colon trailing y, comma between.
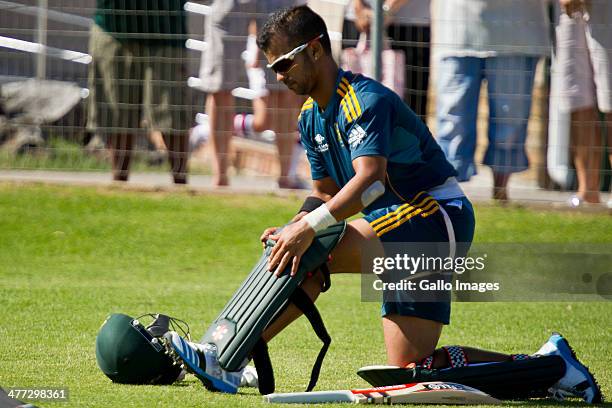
x: 349, y: 104
x: 308, y: 104
x: 349, y: 119
x: 355, y: 101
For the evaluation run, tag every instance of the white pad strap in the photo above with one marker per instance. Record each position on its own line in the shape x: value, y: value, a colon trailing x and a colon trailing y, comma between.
x: 452, y: 242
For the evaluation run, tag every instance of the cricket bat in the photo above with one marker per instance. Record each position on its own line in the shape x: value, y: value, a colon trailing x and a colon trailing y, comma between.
x: 436, y: 392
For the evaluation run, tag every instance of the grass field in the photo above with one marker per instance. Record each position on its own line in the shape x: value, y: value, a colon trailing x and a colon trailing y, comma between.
x: 69, y: 256
x: 62, y: 154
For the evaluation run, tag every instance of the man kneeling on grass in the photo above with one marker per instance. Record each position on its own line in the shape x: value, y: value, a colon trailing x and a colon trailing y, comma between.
x: 370, y: 153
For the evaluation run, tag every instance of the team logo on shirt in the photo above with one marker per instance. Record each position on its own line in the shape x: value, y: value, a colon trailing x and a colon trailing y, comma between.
x: 356, y: 136
x: 322, y: 146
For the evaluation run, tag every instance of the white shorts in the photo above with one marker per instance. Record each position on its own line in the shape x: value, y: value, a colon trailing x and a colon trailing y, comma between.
x: 225, y: 33
x: 582, y: 69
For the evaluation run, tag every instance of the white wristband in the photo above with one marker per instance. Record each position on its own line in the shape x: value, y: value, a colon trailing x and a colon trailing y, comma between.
x: 320, y: 218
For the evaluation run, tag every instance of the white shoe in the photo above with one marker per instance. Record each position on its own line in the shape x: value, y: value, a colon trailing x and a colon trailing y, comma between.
x: 577, y: 381
x: 249, y: 377
x: 201, y: 360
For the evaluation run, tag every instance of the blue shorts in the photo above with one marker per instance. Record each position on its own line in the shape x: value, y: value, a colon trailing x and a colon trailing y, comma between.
x: 510, y: 84
x: 423, y: 222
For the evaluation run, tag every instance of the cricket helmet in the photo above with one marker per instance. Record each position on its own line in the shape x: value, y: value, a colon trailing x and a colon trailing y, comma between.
x: 130, y: 353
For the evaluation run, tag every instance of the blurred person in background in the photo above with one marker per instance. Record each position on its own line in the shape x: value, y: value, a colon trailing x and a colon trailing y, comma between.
x: 226, y: 66
x: 499, y: 41
x: 137, y: 75
x: 407, y: 24
x: 583, y: 75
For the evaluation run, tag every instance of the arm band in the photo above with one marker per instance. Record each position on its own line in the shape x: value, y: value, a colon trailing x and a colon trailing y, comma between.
x: 371, y: 193
x: 311, y: 203
x: 320, y: 218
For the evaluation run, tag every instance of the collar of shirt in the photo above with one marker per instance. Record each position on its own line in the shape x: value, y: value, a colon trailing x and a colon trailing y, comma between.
x: 330, y: 109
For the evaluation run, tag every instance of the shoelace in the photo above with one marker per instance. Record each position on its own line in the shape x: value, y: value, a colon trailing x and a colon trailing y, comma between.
x: 560, y: 395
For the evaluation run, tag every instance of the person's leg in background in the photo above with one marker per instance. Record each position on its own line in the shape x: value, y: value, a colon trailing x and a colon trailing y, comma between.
x: 259, y: 120
x: 221, y: 70
x: 114, y: 100
x: 584, y: 73
x: 414, y: 41
x: 165, y: 103
x: 577, y: 95
x: 220, y: 110
x: 421, y: 67
x: 608, y: 130
x: 178, y: 153
x: 458, y: 82
x: 510, y: 86
x: 599, y: 41
x: 276, y: 109
x: 350, y: 34
x: 284, y: 111
x: 590, y: 137
x: 121, y: 146
x: 129, y: 87
x: 586, y: 146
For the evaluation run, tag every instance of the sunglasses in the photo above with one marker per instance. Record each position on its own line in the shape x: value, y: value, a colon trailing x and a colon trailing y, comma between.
x: 284, y: 63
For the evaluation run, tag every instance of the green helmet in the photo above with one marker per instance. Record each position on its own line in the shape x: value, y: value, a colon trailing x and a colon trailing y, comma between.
x: 129, y: 353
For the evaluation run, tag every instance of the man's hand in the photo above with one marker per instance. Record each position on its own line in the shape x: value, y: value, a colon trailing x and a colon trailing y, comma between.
x: 569, y: 7
x: 363, y: 17
x: 266, y: 235
x: 272, y: 230
x: 364, y: 14
x: 291, y: 244
x: 298, y: 216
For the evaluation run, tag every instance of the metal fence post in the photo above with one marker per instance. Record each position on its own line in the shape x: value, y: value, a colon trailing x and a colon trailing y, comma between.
x: 376, y: 36
x: 41, y: 39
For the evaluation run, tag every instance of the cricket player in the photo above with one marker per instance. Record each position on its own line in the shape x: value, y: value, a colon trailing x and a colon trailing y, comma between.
x: 370, y: 153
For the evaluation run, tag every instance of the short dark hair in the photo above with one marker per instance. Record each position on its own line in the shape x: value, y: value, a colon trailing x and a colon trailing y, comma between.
x: 298, y: 24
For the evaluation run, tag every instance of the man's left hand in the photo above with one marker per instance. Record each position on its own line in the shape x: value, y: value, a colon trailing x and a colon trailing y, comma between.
x: 291, y: 244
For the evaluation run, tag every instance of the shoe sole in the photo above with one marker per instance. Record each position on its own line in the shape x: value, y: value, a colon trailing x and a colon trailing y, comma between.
x: 598, y: 397
x: 211, y: 383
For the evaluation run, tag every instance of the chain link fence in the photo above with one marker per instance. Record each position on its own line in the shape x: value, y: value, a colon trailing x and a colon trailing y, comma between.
x: 522, y: 86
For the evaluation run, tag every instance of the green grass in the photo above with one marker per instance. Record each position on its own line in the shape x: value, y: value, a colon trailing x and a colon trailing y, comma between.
x: 69, y: 256
x: 61, y: 154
